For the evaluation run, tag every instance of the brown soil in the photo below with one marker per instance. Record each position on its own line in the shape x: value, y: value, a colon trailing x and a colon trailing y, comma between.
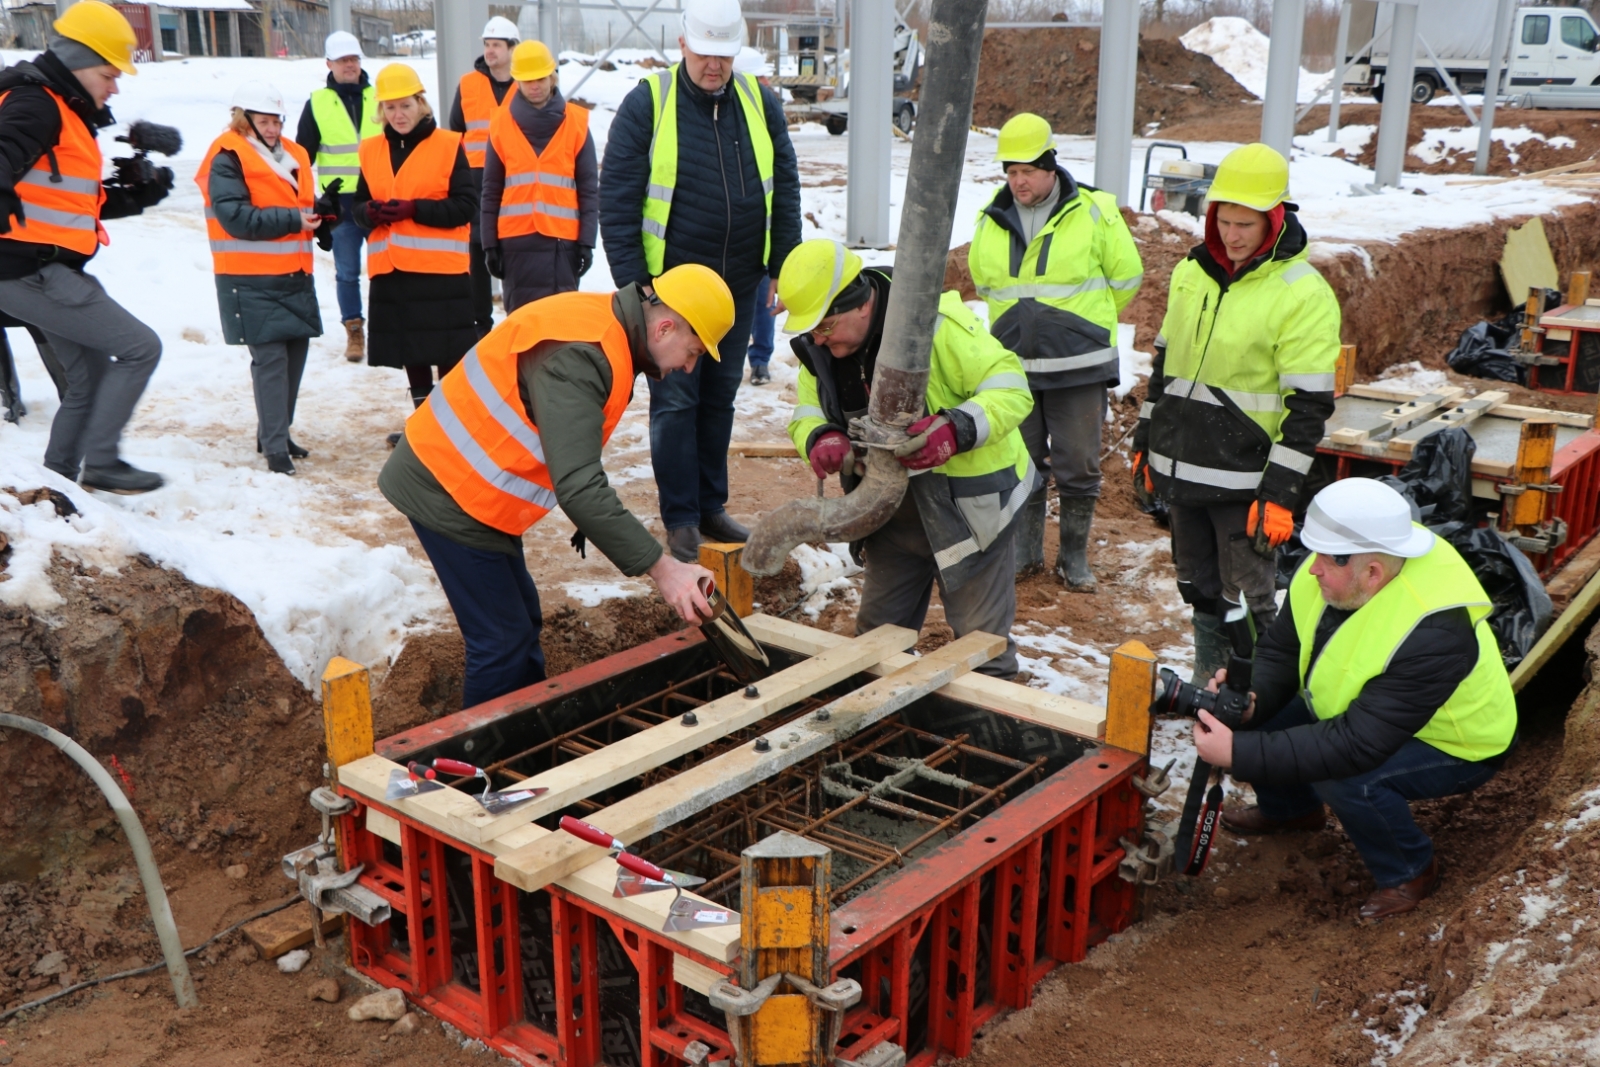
x: 1055, y: 73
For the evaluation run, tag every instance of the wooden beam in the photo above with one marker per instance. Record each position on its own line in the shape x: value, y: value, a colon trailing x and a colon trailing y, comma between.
x: 764, y: 449
x: 648, y: 749
x: 1578, y: 288
x: 1564, y: 418
x: 1463, y: 414
x: 285, y: 931
x: 1574, y: 574
x: 1403, y: 416
x: 1344, y: 370
x: 1051, y: 710
x: 1569, y: 620
x: 661, y: 806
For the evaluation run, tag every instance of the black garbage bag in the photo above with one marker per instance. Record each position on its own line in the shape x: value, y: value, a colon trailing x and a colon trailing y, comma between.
x: 1483, y: 351
x: 1438, y: 478
x: 1522, y: 608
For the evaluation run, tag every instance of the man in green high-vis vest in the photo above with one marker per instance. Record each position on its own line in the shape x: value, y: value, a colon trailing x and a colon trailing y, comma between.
x: 336, y: 119
x: 1379, y: 683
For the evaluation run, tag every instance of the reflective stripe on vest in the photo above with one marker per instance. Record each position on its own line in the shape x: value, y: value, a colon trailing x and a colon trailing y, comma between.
x: 339, y: 145
x: 664, y: 159
x: 268, y: 189
x: 425, y: 175
x: 478, y: 107
x: 541, y: 189
x: 62, y: 207
x: 473, y: 433
x: 1479, y: 719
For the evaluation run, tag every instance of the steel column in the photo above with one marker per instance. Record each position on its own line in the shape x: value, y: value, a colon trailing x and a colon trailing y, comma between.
x: 1504, y: 14
x: 1341, y: 49
x: 1113, y: 127
x: 1283, y: 75
x: 871, y: 113
x: 457, y: 24
x: 339, y: 16
x: 1394, y: 121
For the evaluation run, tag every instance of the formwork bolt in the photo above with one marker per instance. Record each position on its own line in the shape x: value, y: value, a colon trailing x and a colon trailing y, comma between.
x: 689, y: 719
x: 751, y: 692
x: 763, y: 745
x: 823, y: 714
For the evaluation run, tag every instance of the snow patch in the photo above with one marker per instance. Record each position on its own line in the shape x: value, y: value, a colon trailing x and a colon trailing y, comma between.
x: 592, y: 594
x: 824, y: 572
x: 1240, y: 49
x: 1442, y: 145
x: 1413, y: 377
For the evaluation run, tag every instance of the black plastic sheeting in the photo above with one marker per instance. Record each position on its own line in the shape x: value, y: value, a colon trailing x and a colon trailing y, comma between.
x: 1483, y: 351
x: 1438, y: 483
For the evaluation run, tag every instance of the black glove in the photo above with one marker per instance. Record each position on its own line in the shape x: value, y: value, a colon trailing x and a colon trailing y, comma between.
x: 496, y: 263
x: 585, y: 259
x: 578, y: 541
x: 152, y: 192
x: 328, y: 202
x: 324, y: 234
x: 10, y: 204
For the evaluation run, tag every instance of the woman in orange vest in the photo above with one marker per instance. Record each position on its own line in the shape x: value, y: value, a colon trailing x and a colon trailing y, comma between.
x: 417, y: 197
x: 259, y: 194
x: 541, y: 188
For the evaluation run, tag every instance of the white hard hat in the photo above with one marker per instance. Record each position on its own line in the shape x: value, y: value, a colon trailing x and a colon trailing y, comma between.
x: 713, y: 27
x: 341, y: 43
x: 1361, y: 515
x: 260, y: 97
x: 501, y: 28
x: 752, y: 61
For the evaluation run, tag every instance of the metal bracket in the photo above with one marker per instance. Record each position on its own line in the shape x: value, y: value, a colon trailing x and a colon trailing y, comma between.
x: 1144, y: 864
x: 1155, y: 783
x: 727, y: 997
x: 833, y: 999
x: 315, y: 869
x: 883, y: 1054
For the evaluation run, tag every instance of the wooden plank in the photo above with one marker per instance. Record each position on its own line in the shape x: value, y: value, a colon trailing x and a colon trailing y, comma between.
x: 652, y: 810
x: 764, y: 449
x: 1397, y: 419
x: 1574, y: 574
x: 383, y: 825
x: 286, y: 930
x: 1050, y: 710
x: 1462, y: 414
x: 1565, y: 418
x: 696, y: 976
x: 1344, y: 370
x: 1130, y: 689
x: 1568, y: 621
x: 646, y: 750
x: 1376, y: 391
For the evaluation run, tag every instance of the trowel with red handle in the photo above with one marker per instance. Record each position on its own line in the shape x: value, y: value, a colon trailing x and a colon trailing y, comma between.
x: 494, y: 801
x: 632, y: 879
x: 412, y: 780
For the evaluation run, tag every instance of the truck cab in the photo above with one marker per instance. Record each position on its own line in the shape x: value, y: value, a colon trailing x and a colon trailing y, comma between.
x: 1554, y: 46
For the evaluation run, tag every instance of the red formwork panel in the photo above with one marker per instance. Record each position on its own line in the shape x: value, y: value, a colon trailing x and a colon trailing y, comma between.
x: 940, y: 947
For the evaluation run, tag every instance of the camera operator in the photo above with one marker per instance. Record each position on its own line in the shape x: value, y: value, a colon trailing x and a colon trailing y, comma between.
x: 1379, y: 683
x: 52, y: 202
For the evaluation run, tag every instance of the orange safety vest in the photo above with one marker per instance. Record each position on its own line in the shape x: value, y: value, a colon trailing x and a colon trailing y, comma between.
x: 61, y: 193
x: 473, y: 432
x: 541, y: 190
x: 425, y: 175
x: 478, y: 105
x: 289, y: 254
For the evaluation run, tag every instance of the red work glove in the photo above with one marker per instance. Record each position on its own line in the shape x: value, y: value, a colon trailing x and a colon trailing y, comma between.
x: 830, y: 452
x: 940, y: 446
x: 1269, y: 522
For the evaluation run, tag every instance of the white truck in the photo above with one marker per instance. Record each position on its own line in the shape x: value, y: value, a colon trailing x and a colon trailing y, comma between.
x: 1550, y: 46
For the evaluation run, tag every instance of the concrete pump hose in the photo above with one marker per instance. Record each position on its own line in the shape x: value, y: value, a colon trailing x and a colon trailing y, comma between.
x: 155, y: 893
x: 900, y: 379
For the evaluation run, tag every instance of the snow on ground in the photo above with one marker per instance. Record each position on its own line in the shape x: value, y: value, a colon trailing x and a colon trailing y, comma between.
x: 1240, y: 49
x: 322, y: 560
x: 1443, y: 144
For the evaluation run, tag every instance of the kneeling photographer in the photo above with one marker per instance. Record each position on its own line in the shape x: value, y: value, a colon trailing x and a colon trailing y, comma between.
x: 1379, y: 683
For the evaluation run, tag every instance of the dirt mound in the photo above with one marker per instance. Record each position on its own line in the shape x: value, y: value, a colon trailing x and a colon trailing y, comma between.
x: 1056, y: 73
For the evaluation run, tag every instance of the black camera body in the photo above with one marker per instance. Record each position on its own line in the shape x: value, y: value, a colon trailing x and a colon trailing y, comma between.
x: 1232, y: 699
x: 145, y: 137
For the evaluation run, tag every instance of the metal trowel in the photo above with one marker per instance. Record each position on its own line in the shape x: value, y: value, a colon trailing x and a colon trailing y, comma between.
x: 723, y: 631
x: 632, y: 879
x: 412, y: 780
x: 494, y: 801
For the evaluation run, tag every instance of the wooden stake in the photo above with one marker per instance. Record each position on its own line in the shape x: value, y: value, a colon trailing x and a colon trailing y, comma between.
x: 1530, y: 319
x: 722, y: 560
x: 1131, y: 687
x: 1344, y: 371
x: 346, y: 713
x: 1578, y: 288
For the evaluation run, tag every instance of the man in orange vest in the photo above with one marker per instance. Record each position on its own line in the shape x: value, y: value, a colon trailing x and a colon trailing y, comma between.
x: 52, y: 202
x: 516, y: 429
x: 541, y: 187
x: 478, y: 97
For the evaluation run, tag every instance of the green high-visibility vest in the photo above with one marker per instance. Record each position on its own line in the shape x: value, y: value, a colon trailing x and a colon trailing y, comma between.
x: 1479, y: 719
x: 338, y: 154
x: 664, y: 158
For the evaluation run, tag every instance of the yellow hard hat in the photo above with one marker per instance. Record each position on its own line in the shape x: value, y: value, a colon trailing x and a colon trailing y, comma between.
x: 1024, y: 138
x: 530, y: 61
x: 815, y: 273
x: 699, y: 294
x: 102, y: 28
x: 396, y: 82
x: 1252, y: 175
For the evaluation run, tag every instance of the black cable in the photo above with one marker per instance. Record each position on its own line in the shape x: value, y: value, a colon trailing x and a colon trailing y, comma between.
x: 4, y: 1015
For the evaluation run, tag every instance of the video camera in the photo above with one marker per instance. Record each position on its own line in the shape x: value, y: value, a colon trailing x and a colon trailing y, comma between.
x: 145, y: 137
x: 1232, y: 699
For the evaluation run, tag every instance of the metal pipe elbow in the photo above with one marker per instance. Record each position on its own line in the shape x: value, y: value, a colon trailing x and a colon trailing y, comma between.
x: 847, y: 518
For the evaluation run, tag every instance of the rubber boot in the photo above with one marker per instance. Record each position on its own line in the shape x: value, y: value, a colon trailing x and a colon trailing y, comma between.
x: 1211, y: 647
x: 1030, y: 535
x: 1072, y: 559
x: 355, y: 345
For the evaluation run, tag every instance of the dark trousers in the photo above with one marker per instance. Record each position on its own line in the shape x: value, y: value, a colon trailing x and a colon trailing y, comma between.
x: 497, y: 608
x: 1062, y: 434
x: 691, y: 423
x: 1375, y: 808
x: 347, y: 241
x: 762, y: 326
x: 275, y: 372
x: 482, y: 286
x: 1211, y: 553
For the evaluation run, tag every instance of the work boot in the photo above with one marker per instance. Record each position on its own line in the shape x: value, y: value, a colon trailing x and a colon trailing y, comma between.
x: 1211, y: 647
x: 280, y: 463
x: 120, y: 477
x: 1251, y: 821
x: 759, y: 375
x: 684, y: 544
x: 355, y: 345
x: 1399, y: 899
x: 1072, y: 558
x: 724, y: 528
x: 295, y: 451
x: 1030, y: 535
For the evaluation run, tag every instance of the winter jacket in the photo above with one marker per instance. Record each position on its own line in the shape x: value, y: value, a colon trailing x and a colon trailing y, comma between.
x: 719, y: 209
x: 259, y: 309
x: 1242, y: 382
x: 309, y: 137
x: 418, y: 319
x: 30, y: 125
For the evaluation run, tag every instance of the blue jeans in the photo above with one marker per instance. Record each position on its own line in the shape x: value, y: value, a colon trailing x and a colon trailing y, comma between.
x: 762, y: 326
x: 497, y: 608
x: 1375, y: 807
x: 347, y: 241
x: 691, y: 423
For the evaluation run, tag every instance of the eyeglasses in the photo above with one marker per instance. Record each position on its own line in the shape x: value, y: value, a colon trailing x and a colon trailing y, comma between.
x: 821, y: 330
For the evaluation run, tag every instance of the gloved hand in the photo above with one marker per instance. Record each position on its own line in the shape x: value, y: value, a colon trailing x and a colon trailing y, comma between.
x: 495, y: 260
x: 1269, y: 525
x: 936, y: 450
x: 10, y: 204
x: 152, y: 192
x: 585, y: 259
x: 1144, y: 487
x: 324, y: 234
x: 327, y: 204
x: 391, y: 212
x: 830, y: 452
